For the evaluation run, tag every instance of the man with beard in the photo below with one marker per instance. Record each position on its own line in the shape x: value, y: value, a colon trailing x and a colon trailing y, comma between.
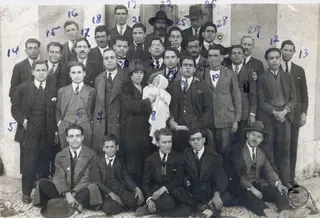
x: 194, y: 48
x: 256, y: 65
x: 101, y: 37
x: 121, y: 47
x: 300, y: 110
x: 93, y: 69
x: 155, y: 63
x: 71, y: 30
x: 121, y: 28
x: 276, y: 103
x: 209, y: 35
x: 160, y: 24
x: 175, y: 39
x: 138, y: 47
x: 195, y: 16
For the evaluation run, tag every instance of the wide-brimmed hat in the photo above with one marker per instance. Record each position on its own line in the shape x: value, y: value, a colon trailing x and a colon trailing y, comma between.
x: 57, y: 208
x: 257, y: 126
x: 160, y: 15
x: 194, y: 12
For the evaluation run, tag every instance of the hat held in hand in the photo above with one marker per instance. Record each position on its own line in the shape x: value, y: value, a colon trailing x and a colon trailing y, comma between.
x: 57, y: 208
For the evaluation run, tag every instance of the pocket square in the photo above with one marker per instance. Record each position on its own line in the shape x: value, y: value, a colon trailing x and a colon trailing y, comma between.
x: 298, y: 77
x: 174, y: 170
x: 54, y: 99
x: 200, y: 91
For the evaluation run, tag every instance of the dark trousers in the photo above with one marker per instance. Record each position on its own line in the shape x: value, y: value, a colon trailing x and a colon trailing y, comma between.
x: 48, y: 191
x: 110, y: 207
x: 277, y: 146
x: 253, y: 203
x: 21, y: 157
x: 240, y: 136
x: 222, y: 139
x: 293, y: 150
x: 36, y: 158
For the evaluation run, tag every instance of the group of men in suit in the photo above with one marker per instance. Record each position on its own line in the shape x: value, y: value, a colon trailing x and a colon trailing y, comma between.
x: 222, y: 96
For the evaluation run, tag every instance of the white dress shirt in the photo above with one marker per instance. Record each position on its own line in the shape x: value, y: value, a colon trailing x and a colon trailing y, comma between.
x: 102, y: 49
x: 31, y: 60
x: 124, y: 27
x: 51, y: 64
x: 247, y: 59
x: 207, y: 44
x: 70, y: 45
x: 108, y: 159
x: 74, y: 86
x: 198, y: 60
x: 194, y: 31
x: 239, y: 67
x: 161, y: 156
x: 37, y: 84
x: 200, y: 152
x: 160, y: 62
x: 75, y: 150
x: 283, y: 64
x: 113, y: 73
x: 252, y: 151
x: 189, y: 82
x: 84, y: 61
x: 213, y: 72
x: 274, y: 72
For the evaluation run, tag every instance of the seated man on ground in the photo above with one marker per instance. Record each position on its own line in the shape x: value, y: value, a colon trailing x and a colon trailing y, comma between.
x: 71, y: 178
x: 109, y: 173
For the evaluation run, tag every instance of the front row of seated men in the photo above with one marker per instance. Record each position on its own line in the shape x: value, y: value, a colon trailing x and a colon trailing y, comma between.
x: 174, y: 184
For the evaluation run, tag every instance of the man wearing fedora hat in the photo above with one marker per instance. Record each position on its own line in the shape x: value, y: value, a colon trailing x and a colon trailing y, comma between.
x: 247, y: 166
x: 160, y: 23
x: 195, y: 16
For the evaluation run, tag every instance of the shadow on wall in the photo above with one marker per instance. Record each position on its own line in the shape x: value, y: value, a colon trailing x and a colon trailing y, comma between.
x: 1, y: 167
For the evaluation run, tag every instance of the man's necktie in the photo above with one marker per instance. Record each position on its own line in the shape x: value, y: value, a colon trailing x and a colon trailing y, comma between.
x: 121, y: 30
x: 77, y: 90
x: 196, y: 32
x: 75, y: 157
x: 184, y: 85
x: 244, y: 61
x: 237, y: 69
x: 109, y: 162
x: 287, y: 67
x: 32, y: 62
x: 110, y: 78
x: 157, y: 64
x: 253, y: 156
x: 51, y: 71
x: 40, y: 87
x: 197, y: 155
x: 163, y: 165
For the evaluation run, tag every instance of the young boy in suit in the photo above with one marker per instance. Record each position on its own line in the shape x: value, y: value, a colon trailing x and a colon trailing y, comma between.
x: 109, y: 173
x: 75, y: 104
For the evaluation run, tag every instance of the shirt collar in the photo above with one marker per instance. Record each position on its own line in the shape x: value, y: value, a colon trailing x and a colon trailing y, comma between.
x: 189, y: 80
x: 123, y: 26
x: 239, y: 66
x: 194, y: 30
x: 161, y: 155
x: 70, y: 45
x: 179, y: 48
x: 207, y: 44
x: 160, y: 61
x: 37, y: 84
x: 248, y: 58
x: 198, y: 59
x: 102, y: 49
x: 274, y: 72
x: 135, y: 44
x: 51, y: 64
x: 74, y: 86
x: 75, y: 150
x: 283, y: 63
x: 31, y: 60
x: 113, y: 73
x: 83, y: 61
x: 200, y: 152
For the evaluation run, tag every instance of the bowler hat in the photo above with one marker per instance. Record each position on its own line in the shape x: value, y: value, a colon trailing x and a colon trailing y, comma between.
x: 160, y: 15
x: 57, y: 208
x: 257, y: 126
x: 194, y: 12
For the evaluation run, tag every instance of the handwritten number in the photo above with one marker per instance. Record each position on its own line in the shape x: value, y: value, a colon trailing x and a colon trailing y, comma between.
x: 52, y: 31
x: 11, y: 126
x: 85, y: 32
x: 256, y: 29
x: 133, y: 3
x: 15, y: 51
x: 305, y: 53
x: 274, y: 39
x: 181, y: 22
x: 136, y: 20
x: 211, y: 4
x: 250, y: 30
x: 153, y: 115
x: 167, y: 3
x: 94, y: 21
x: 219, y: 24
x: 100, y: 116
x: 72, y: 13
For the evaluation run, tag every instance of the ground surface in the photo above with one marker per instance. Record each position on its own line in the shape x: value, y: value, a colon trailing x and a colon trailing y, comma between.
x: 11, y: 205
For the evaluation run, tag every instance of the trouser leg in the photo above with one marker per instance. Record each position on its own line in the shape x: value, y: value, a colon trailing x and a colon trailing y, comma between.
x: 293, y: 150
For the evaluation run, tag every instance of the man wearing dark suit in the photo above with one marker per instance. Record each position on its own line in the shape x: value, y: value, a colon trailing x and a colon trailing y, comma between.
x: 162, y: 175
x: 160, y: 23
x: 33, y: 107
x: 121, y: 47
x: 155, y: 62
x: 300, y: 111
x: 195, y: 16
x: 121, y: 28
x: 191, y: 103
x: 248, y: 88
x: 171, y: 72
x: 256, y: 65
x: 71, y: 179
x: 110, y: 174
x: 71, y: 29
x: 22, y: 71
x: 175, y: 39
x: 75, y: 105
x: 203, y: 176
x: 55, y: 75
x: 252, y: 178
x: 193, y: 47
x: 226, y: 97
x: 138, y: 49
x: 101, y: 36
x: 93, y: 69
x: 107, y: 104
x: 209, y: 35
x: 276, y: 103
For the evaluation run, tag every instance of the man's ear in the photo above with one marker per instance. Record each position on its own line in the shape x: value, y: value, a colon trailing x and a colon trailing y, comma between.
x: 117, y: 147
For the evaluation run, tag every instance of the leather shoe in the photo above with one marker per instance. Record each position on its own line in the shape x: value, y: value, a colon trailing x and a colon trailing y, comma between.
x: 293, y: 183
x: 26, y: 199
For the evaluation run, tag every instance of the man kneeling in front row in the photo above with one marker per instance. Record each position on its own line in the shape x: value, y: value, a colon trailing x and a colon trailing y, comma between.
x: 71, y: 178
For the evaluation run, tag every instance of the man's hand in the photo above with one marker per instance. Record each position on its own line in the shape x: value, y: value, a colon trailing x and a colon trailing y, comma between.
x: 234, y: 127
x: 256, y: 192
x: 158, y: 193
x: 279, y: 116
x: 151, y: 206
x: 182, y: 128
x: 251, y: 120
x: 216, y: 201
x: 281, y: 188
x: 70, y: 199
x: 138, y: 194
x: 173, y: 125
x: 303, y: 119
x: 116, y: 198
x: 25, y: 124
x: 254, y: 76
x: 56, y: 138
x: 58, y: 123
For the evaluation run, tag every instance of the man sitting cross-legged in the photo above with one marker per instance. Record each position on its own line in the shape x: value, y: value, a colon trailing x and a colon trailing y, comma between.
x: 109, y: 173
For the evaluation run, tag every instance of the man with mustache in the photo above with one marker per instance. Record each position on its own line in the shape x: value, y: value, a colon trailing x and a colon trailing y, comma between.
x: 93, y: 69
x: 300, y: 111
x: 160, y: 24
x: 193, y: 47
x: 276, y: 104
x: 101, y: 37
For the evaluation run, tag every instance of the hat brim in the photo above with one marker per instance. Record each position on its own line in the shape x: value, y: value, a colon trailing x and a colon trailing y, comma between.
x: 192, y: 17
x: 44, y: 212
x: 256, y: 130
x: 153, y: 19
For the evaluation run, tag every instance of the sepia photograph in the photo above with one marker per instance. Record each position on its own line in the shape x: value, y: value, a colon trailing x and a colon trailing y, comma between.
x: 196, y: 109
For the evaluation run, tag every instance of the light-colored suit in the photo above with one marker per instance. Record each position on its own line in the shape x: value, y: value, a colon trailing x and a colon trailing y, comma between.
x: 77, y: 110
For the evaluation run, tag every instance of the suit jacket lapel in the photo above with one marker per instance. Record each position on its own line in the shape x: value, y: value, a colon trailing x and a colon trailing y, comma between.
x: 69, y: 91
x: 246, y: 156
x: 81, y: 162
x: 31, y: 94
x: 66, y: 163
x: 192, y: 163
x: 103, y: 166
x: 101, y: 85
x: 207, y: 78
x: 221, y: 78
x: 117, y: 85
